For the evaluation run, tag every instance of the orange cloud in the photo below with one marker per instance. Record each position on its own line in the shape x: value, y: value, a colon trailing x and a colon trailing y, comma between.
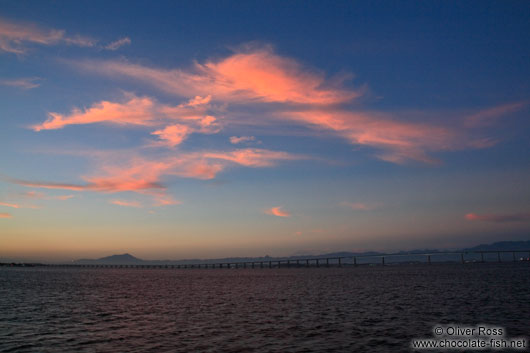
x: 499, y: 218
x: 9, y: 205
x: 277, y: 211
x: 33, y: 195
x: 143, y: 111
x: 260, y: 76
x: 173, y: 134
x: 13, y: 35
x: 397, y: 142
x: 64, y: 197
x: 256, y: 75
x: 5, y: 215
x: 126, y: 203
x: 40, y: 195
x: 14, y: 205
x: 144, y: 176
x: 45, y: 185
x: 136, y: 111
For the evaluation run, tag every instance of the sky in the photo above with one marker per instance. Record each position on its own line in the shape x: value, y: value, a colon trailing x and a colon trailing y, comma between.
x: 207, y: 129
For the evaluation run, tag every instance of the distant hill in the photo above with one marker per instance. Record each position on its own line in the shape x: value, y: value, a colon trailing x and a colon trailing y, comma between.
x: 502, y: 245
x: 124, y: 259
x: 128, y: 259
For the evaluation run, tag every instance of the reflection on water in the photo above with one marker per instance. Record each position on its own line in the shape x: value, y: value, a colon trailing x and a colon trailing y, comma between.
x: 370, y: 309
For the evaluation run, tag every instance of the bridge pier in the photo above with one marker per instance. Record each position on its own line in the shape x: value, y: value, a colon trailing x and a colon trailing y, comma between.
x: 383, y: 260
x: 429, y: 259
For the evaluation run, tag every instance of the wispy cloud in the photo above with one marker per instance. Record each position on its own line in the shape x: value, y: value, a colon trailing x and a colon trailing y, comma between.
x: 126, y: 203
x: 143, y: 111
x: 63, y: 197
x: 488, y: 117
x: 396, y: 141
x: 17, y: 205
x: 144, y: 175
x: 33, y: 194
x: 235, y: 140
x: 22, y: 83
x: 500, y: 217
x: 256, y: 75
x: 12, y: 205
x: 15, y: 35
x: 42, y: 196
x: 293, y: 93
x: 278, y: 212
x: 118, y: 43
x: 5, y: 215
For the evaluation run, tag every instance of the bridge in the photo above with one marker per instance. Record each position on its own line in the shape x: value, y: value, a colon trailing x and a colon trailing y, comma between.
x: 339, y: 261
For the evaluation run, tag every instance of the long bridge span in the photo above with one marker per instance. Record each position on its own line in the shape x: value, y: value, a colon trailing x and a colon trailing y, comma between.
x: 336, y: 261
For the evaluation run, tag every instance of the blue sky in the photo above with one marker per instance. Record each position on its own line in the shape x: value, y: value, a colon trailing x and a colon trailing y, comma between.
x: 209, y: 129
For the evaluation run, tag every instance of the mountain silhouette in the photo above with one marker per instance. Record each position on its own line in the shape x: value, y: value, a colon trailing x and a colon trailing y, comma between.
x: 123, y: 259
x: 128, y: 259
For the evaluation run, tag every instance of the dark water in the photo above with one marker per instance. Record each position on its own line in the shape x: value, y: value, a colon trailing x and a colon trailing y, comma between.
x: 370, y: 309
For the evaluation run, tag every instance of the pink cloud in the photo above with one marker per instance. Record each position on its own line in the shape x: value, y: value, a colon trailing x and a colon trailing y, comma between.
x: 396, y: 141
x: 487, y: 117
x: 16, y: 205
x: 235, y: 140
x: 252, y: 157
x: 118, y: 43
x: 257, y: 75
x: 13, y: 36
x: 136, y: 111
x: 499, y: 218
x: 5, y: 215
x: 12, y: 205
x: 41, y: 196
x: 142, y: 111
x: 50, y: 185
x: 277, y: 211
x: 144, y: 175
x: 126, y: 203
x: 173, y: 135
x: 33, y: 194
x: 64, y: 197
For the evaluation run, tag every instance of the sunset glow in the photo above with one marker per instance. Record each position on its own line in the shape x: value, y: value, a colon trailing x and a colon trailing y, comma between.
x: 182, y: 136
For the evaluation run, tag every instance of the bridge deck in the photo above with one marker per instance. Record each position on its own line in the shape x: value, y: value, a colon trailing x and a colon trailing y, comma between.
x: 349, y: 261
